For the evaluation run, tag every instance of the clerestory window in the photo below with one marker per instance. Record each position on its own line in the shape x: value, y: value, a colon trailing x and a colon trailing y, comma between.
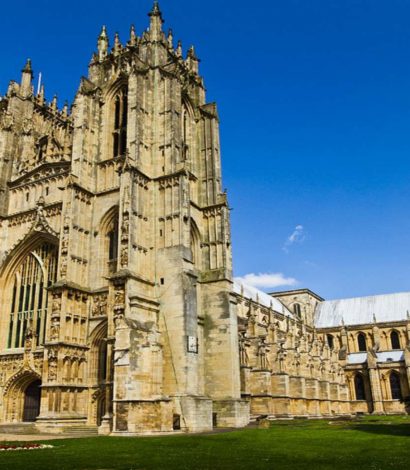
x: 361, y: 342
x: 395, y: 340
x: 330, y: 341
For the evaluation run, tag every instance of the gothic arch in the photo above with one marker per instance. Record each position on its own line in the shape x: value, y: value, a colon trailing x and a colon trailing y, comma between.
x: 296, y: 309
x: 14, y: 391
x: 395, y: 385
x: 115, y: 120
x: 361, y: 341
x: 9, y: 276
x: 195, y: 241
x: 359, y: 386
x: 22, y: 248
x: 97, y: 401
x: 108, y: 231
x: 188, y: 119
x: 395, y: 341
x: 97, y: 337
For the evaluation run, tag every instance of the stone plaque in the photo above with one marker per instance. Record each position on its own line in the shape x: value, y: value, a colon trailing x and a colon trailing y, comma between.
x: 192, y: 344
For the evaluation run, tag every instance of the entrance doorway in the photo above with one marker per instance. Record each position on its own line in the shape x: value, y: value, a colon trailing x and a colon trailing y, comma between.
x: 32, y: 397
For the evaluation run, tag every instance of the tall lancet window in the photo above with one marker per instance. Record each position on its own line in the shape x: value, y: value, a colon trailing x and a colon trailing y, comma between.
x: 185, y: 147
x: 112, y: 236
x: 395, y: 387
x: 42, y: 148
x: 29, y: 304
x: 120, y: 123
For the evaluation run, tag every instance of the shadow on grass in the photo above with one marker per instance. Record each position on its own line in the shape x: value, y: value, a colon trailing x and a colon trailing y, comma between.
x: 386, y: 429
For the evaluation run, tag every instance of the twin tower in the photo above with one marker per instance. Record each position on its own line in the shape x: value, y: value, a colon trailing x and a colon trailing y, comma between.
x: 116, y: 295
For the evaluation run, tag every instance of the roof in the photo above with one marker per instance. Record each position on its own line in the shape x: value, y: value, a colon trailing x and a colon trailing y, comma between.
x: 262, y: 298
x: 384, y: 356
x: 283, y: 293
x: 357, y: 358
x: 363, y: 310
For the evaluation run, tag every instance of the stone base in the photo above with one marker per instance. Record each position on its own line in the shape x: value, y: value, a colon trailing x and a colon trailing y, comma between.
x: 231, y: 413
x: 105, y: 427
x: 196, y: 413
x: 142, y: 417
x: 63, y: 425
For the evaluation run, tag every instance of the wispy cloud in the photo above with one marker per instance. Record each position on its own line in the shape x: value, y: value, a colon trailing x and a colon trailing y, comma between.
x: 266, y: 280
x: 297, y: 236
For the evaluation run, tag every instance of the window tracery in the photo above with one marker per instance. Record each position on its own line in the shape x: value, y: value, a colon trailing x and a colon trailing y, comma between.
x: 395, y: 386
x: 120, y: 123
x: 29, y: 304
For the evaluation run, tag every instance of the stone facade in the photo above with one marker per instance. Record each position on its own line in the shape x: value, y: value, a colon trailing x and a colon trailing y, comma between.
x: 118, y: 307
x: 373, y: 349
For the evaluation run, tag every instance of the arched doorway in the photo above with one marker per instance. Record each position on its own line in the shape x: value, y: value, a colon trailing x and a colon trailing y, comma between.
x: 32, y: 397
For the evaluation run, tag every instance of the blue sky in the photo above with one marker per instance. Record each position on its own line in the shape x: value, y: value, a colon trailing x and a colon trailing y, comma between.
x: 314, y: 103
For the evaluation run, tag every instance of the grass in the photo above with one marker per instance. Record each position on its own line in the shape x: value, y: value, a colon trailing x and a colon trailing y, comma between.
x: 374, y: 443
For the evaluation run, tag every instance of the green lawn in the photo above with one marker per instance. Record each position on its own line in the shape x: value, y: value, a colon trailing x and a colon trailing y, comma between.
x: 368, y: 443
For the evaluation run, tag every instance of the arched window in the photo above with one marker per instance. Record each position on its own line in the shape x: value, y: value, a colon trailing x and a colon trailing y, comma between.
x: 120, y: 123
x: 361, y: 342
x: 330, y: 341
x: 42, y: 148
x: 296, y: 310
x: 359, y: 387
x: 102, y: 361
x: 395, y: 340
x: 395, y: 385
x: 112, y: 236
x: 195, y: 245
x: 29, y: 302
x: 185, y: 145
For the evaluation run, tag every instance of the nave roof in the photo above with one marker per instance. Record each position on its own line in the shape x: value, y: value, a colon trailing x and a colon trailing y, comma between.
x: 363, y: 310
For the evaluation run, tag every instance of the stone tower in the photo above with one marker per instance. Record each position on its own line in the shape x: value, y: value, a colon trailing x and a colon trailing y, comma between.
x: 115, y: 256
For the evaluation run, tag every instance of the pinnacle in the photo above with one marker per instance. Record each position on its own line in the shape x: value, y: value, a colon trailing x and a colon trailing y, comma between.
x: 27, y: 67
x: 103, y: 32
x: 155, y: 10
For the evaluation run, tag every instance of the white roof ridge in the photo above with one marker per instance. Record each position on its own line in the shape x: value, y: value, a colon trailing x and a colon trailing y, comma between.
x: 259, y: 296
x: 364, y: 297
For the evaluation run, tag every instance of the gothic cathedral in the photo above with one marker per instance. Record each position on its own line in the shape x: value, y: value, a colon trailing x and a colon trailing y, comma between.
x: 118, y: 308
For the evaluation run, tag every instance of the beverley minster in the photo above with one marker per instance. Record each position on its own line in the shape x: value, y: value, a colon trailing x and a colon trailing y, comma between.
x: 119, y: 312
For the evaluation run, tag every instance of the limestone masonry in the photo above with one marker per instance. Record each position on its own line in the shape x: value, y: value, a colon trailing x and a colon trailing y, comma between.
x: 118, y: 307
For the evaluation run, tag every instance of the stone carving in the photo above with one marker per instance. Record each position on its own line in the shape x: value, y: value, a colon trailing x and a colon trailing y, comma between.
x: 55, y: 317
x: 52, y: 364
x: 99, y: 306
x: 27, y: 126
x: 263, y: 362
x: 124, y: 256
x: 243, y: 353
x: 7, y: 121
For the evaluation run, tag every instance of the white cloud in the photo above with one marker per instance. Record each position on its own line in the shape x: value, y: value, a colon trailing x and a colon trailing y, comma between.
x: 266, y: 280
x: 297, y: 236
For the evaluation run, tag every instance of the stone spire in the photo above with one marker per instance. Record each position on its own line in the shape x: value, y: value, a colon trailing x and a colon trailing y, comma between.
x: 170, y: 39
x: 133, y: 37
x: 64, y: 112
x: 179, y: 49
x: 102, y: 44
x: 192, y: 60
x: 53, y: 104
x: 40, y: 96
x: 156, y: 22
x: 26, y: 78
x: 117, y: 44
